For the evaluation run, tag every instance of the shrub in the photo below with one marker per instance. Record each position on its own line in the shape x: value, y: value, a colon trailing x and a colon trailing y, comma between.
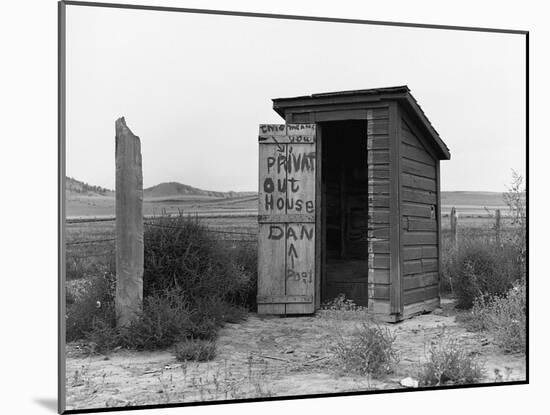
x: 164, y: 320
x: 245, y: 256
x: 516, y: 202
x: 448, y: 255
x: 192, y: 286
x: 94, y: 302
x: 480, y: 268
x: 102, y: 336
x: 79, y: 266
x: 181, y: 254
x: 369, y: 351
x: 195, y: 349
x: 449, y: 363
x: 504, y: 318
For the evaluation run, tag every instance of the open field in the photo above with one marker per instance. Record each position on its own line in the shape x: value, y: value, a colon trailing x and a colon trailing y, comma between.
x: 468, y: 204
x: 104, y: 206
x: 266, y: 357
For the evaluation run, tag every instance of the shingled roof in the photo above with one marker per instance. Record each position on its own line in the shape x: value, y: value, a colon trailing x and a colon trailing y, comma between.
x: 399, y: 93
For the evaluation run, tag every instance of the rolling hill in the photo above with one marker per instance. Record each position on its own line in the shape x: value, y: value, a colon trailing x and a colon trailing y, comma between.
x: 77, y: 187
x: 162, y: 190
x: 174, y: 189
x: 84, y: 199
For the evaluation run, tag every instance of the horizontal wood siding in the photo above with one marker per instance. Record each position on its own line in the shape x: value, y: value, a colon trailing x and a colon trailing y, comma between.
x: 419, y: 226
x: 378, y: 210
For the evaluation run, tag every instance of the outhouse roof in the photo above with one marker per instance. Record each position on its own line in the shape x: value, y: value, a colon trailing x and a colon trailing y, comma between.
x: 397, y: 93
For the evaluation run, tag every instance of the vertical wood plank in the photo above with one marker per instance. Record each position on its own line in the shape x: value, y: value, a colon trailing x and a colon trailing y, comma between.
x: 497, y: 226
x: 129, y: 225
x: 272, y: 192
x: 271, y: 265
x: 396, y: 301
x: 343, y: 216
x: 301, y: 177
x: 454, y: 230
x: 271, y: 236
x: 300, y: 265
x: 319, y: 212
x: 300, y: 240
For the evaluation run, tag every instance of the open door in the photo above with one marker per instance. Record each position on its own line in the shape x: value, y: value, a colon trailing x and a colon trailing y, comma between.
x: 345, y: 225
x: 287, y: 271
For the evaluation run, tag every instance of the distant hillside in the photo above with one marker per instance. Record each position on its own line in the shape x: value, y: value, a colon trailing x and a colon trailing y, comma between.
x: 171, y: 189
x: 472, y: 198
x: 82, y: 188
x: 175, y: 190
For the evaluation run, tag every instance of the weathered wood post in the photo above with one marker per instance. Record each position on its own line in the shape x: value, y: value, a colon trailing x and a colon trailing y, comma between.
x: 497, y: 226
x: 129, y: 225
x: 454, y: 233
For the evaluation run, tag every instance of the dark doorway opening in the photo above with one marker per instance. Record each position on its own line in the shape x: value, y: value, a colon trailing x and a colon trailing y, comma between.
x: 344, y: 222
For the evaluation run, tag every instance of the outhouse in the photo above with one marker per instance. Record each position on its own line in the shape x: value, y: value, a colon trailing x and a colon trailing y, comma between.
x: 349, y: 202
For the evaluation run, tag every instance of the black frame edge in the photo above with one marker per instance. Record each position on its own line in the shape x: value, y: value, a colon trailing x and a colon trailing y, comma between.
x: 293, y: 17
x: 61, y: 104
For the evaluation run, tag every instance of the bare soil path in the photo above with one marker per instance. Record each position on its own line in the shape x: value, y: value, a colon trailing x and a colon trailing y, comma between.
x: 268, y: 356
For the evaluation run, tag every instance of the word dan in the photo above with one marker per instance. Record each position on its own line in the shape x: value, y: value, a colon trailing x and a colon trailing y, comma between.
x: 277, y: 232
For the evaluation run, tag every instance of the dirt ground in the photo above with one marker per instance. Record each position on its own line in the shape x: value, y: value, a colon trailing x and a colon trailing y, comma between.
x: 269, y: 356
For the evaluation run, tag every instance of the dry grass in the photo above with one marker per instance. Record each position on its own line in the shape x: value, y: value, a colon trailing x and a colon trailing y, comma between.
x: 368, y: 351
x: 448, y: 362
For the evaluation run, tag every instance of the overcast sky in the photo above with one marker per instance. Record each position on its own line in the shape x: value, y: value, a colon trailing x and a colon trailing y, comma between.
x: 195, y: 87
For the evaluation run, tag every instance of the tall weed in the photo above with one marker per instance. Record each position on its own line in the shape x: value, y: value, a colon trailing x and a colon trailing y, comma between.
x: 449, y: 363
x: 181, y: 254
x: 480, y: 268
x: 370, y: 350
x: 505, y: 318
x: 95, y: 301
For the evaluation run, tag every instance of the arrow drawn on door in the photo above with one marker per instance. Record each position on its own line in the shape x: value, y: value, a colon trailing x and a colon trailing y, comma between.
x: 280, y: 147
x: 292, y: 254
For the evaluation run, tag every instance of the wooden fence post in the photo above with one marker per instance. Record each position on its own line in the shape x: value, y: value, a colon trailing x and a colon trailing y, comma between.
x: 454, y: 233
x: 497, y: 226
x: 129, y: 225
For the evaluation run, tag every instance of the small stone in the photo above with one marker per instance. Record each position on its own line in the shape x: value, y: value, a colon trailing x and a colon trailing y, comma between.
x: 437, y: 312
x: 409, y: 382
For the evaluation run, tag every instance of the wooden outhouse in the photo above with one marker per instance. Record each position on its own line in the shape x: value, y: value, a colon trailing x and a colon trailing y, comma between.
x: 349, y: 202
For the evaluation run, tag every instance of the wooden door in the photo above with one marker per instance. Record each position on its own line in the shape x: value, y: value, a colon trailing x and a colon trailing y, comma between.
x: 286, y: 219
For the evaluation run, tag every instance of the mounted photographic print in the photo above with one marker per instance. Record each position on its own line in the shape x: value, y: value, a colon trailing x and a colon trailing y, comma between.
x: 259, y: 206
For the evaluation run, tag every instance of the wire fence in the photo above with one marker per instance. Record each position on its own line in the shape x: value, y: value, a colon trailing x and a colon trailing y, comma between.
x: 251, y: 236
